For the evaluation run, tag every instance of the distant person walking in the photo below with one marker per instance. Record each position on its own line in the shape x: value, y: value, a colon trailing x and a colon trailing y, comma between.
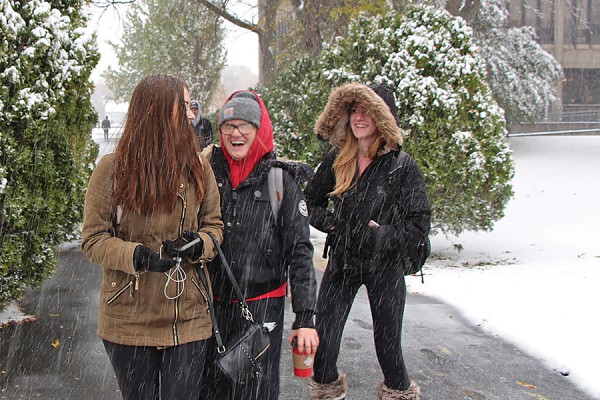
x: 105, y: 127
x: 202, y: 126
x: 380, y: 214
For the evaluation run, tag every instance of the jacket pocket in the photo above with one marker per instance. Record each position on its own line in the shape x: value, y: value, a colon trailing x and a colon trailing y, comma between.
x: 270, y: 251
x: 196, y: 300
x: 117, y: 296
x: 120, y: 292
x: 114, y: 284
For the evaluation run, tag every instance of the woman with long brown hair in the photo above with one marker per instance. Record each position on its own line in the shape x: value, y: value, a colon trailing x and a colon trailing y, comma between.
x: 144, y: 202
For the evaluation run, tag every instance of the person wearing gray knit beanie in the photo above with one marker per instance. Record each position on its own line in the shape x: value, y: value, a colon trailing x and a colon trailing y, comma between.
x: 244, y: 164
x: 243, y: 106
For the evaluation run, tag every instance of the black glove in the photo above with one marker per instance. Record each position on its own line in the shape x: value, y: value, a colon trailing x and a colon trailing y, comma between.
x: 144, y: 259
x: 171, y: 246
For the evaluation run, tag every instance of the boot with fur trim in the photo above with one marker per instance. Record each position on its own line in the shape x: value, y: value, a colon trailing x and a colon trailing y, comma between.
x: 412, y: 393
x: 335, y: 390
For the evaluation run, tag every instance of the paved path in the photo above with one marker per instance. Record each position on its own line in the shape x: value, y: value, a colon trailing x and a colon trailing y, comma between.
x: 450, y: 359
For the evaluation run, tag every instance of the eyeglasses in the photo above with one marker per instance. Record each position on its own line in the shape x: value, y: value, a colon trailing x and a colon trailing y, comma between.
x: 244, y: 129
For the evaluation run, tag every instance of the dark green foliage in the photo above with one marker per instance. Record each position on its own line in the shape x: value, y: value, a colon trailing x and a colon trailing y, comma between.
x: 453, y: 127
x: 294, y: 102
x: 46, y: 148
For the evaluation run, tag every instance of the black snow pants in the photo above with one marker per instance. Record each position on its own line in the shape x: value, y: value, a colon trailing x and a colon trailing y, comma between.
x: 387, y: 295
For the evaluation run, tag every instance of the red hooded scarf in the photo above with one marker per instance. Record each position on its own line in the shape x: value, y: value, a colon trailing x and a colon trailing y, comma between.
x: 239, y: 170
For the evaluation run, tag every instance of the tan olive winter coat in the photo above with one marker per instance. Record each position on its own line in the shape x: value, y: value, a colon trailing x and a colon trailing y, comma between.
x: 146, y: 311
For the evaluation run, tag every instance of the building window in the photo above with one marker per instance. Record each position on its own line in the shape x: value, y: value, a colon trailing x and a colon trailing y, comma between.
x: 581, y: 86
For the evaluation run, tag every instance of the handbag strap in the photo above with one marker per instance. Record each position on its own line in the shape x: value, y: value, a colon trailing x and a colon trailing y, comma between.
x: 211, y: 307
x: 246, y: 314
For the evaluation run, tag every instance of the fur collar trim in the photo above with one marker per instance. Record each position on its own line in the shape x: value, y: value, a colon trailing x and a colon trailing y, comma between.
x: 331, y: 124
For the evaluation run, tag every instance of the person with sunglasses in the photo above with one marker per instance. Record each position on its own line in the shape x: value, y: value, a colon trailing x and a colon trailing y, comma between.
x: 143, y: 202
x: 263, y: 249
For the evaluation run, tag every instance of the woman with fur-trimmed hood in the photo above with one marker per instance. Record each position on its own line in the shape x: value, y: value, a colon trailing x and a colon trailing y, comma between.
x: 380, y: 214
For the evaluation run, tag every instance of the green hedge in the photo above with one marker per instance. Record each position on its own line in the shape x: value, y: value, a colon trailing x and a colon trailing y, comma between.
x: 46, y: 148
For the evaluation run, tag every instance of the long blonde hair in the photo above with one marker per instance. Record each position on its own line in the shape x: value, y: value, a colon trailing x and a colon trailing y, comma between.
x: 346, y: 163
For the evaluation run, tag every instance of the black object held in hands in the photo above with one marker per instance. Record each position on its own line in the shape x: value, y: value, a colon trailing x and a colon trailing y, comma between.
x: 180, y: 247
x: 144, y: 259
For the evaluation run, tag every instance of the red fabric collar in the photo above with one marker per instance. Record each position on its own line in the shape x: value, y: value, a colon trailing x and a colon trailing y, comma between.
x: 263, y: 143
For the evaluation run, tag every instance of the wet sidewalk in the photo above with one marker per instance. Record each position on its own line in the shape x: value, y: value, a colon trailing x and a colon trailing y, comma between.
x: 59, y: 357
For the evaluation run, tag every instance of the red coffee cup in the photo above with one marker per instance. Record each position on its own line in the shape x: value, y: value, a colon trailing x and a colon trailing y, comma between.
x: 303, y: 362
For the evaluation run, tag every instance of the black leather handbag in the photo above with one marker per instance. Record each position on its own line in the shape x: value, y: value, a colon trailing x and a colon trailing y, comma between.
x: 240, y: 359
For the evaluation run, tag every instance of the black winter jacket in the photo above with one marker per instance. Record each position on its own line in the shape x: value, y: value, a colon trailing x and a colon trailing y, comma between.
x: 264, y: 253
x: 390, y: 192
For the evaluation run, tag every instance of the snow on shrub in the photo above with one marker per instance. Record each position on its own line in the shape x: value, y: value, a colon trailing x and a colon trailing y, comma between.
x: 46, y: 149
x: 453, y: 127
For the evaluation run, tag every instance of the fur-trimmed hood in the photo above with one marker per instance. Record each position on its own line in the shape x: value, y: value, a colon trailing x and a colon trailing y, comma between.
x: 333, y: 121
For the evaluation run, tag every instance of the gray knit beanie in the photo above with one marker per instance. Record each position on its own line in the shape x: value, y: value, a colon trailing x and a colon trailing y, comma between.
x: 242, y: 105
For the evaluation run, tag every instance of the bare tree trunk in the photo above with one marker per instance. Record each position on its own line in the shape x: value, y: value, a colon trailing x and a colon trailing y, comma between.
x: 467, y: 9
x: 265, y: 29
x: 309, y: 14
x: 267, y: 20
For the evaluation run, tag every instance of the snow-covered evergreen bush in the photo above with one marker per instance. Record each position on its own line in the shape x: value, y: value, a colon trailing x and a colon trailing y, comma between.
x: 522, y: 75
x: 46, y: 149
x: 294, y: 101
x: 454, y: 128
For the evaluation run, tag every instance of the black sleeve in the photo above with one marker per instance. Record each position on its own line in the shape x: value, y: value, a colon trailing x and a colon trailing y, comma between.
x: 411, y: 214
x: 208, y: 126
x: 298, y: 252
x: 317, y: 194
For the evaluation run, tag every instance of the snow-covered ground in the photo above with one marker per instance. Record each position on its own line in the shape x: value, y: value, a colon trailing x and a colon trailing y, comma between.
x: 534, y: 280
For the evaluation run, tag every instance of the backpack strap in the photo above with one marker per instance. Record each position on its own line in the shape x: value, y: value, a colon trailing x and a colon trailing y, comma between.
x: 275, y: 181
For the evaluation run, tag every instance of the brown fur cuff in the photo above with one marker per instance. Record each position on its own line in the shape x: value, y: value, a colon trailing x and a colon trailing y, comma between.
x: 335, y: 390
x: 412, y: 393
